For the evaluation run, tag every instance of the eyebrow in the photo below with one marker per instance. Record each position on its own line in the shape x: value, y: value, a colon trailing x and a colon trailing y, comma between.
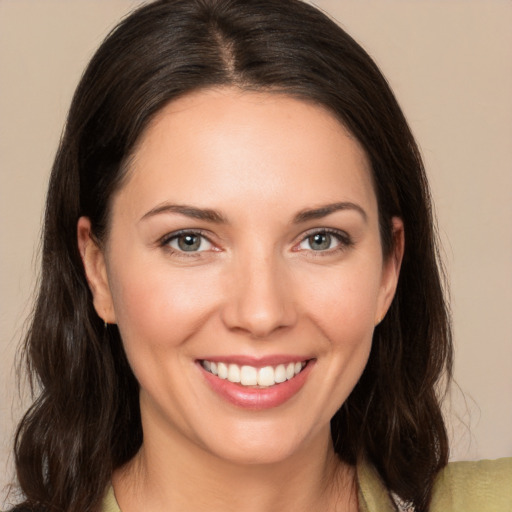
x: 215, y: 216
x: 188, y: 211
x: 323, y: 211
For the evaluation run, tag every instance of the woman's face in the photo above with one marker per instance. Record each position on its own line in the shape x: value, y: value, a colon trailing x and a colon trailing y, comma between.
x: 245, y: 242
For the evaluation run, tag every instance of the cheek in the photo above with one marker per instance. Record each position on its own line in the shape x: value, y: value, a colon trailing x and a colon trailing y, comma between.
x: 345, y: 313
x: 344, y: 303
x: 158, y: 308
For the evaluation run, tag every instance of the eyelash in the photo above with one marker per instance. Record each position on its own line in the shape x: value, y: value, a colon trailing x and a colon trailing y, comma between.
x: 344, y: 239
x: 167, y: 239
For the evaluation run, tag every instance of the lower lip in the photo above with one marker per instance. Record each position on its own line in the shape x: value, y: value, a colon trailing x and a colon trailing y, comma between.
x: 257, y: 398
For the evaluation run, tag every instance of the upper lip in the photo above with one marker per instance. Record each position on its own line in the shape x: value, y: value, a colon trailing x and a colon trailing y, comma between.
x: 257, y: 362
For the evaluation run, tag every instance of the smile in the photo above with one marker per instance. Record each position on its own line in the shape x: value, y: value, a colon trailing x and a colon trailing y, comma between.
x: 246, y: 375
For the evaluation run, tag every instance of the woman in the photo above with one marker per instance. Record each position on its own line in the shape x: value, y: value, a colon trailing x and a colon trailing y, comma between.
x: 240, y: 279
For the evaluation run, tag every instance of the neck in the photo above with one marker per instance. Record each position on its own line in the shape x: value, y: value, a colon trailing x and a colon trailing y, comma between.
x: 171, y: 476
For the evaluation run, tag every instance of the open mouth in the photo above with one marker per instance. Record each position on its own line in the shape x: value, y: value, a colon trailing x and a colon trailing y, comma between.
x: 251, y: 376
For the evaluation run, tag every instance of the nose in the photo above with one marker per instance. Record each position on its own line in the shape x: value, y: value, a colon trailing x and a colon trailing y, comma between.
x: 260, y: 299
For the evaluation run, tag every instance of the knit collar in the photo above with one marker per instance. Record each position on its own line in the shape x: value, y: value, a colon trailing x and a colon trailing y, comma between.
x: 372, y: 493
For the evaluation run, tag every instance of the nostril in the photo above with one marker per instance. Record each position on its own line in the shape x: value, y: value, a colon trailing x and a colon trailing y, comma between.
x: 259, y: 319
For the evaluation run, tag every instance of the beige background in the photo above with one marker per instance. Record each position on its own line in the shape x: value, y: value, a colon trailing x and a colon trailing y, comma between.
x: 450, y: 64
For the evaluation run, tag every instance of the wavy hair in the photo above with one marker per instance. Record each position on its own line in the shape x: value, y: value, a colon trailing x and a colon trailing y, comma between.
x: 85, y: 419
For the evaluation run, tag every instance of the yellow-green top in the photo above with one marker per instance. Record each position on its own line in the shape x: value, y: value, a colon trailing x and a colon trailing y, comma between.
x: 483, y: 486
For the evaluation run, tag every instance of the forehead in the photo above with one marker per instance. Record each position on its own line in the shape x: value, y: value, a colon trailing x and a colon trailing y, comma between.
x: 230, y: 145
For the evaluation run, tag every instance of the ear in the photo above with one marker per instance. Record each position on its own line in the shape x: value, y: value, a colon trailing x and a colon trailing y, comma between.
x: 95, y: 267
x: 391, y: 269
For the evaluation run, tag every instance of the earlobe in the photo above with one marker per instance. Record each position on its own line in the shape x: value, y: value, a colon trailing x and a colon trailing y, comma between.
x: 391, y: 269
x: 93, y: 259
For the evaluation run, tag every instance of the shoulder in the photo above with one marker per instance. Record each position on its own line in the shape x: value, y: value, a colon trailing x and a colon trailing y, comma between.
x: 474, y: 486
x: 483, y: 486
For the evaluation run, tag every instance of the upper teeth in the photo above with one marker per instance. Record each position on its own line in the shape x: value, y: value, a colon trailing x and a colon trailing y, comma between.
x: 252, y: 376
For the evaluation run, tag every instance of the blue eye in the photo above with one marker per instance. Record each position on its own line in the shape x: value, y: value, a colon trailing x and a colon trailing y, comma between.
x: 320, y: 241
x: 189, y: 242
x: 324, y: 241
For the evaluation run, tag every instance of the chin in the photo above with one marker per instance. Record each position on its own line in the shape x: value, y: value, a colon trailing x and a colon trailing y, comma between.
x: 265, y: 453
x: 263, y: 444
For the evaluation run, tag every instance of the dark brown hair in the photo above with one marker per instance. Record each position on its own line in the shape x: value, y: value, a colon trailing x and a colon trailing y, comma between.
x: 85, y: 419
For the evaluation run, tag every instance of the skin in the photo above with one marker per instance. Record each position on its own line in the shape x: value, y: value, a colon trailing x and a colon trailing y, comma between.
x: 257, y: 287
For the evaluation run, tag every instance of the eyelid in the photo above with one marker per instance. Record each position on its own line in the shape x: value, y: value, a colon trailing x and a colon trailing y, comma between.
x: 165, y: 241
x: 345, y: 241
x: 343, y: 237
